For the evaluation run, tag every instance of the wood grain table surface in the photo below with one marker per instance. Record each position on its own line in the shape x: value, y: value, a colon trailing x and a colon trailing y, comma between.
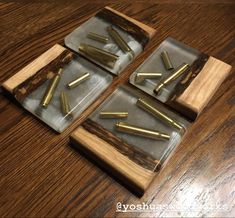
x: 42, y: 176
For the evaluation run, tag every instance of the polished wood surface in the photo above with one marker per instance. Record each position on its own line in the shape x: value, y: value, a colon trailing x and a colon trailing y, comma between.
x: 41, y: 175
x: 204, y: 86
x: 32, y: 68
x: 126, y: 168
x: 134, y: 153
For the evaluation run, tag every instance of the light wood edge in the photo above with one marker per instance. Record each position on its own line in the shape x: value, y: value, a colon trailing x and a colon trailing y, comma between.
x: 33, y: 67
x: 151, y: 31
x: 204, y: 86
x: 140, y: 176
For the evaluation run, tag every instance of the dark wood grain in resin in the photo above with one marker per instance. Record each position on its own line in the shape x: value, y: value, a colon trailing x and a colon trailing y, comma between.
x: 47, y: 72
x: 191, y: 73
x: 188, y: 77
x: 137, y: 32
x: 137, y: 155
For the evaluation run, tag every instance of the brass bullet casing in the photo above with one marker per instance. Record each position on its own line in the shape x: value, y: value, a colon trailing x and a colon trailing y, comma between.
x: 178, y: 72
x: 51, y: 89
x: 97, y: 52
x: 97, y: 37
x: 78, y: 81
x: 106, y: 58
x: 119, y: 40
x: 140, y: 77
x: 166, y: 60
x: 65, y: 106
x: 155, y: 112
x: 135, y: 130
x: 107, y: 114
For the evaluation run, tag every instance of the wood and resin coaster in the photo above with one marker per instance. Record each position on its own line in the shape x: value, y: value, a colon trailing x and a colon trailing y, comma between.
x: 44, y: 88
x: 191, y: 91
x: 110, y: 35
x: 134, y: 159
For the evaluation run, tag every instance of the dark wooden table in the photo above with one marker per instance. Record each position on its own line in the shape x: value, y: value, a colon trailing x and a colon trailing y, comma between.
x: 41, y: 175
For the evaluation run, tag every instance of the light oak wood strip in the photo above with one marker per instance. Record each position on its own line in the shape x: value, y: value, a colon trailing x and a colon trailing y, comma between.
x: 151, y: 31
x: 140, y: 176
x: 204, y: 86
x: 33, y: 67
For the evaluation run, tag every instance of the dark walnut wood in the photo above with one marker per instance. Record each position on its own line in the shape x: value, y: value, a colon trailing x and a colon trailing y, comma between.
x: 133, y: 153
x: 47, y: 72
x: 41, y: 176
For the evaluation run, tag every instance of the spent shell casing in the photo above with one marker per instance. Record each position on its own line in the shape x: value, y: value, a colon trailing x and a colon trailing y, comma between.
x: 78, y: 81
x: 64, y: 101
x: 146, y: 106
x: 97, y: 37
x: 106, y: 58
x: 141, y: 76
x: 177, y: 72
x: 119, y: 40
x: 97, y: 52
x: 51, y: 89
x: 135, y: 130
x: 112, y: 114
x: 166, y: 60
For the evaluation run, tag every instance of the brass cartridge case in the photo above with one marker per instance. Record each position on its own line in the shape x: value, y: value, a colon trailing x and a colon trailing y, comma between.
x: 135, y: 130
x: 178, y: 72
x: 119, y: 40
x: 107, y: 114
x: 65, y: 106
x: 51, y: 89
x: 155, y: 112
x: 166, y: 60
x: 97, y: 37
x: 78, y: 81
x: 106, y: 58
x: 140, y: 77
x: 97, y: 52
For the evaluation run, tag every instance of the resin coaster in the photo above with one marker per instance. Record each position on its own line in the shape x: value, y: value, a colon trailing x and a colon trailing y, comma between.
x: 133, y: 158
x: 31, y: 83
x: 134, y: 33
x: 190, y: 92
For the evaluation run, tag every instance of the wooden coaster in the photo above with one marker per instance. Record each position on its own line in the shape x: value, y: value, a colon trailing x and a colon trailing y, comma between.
x: 131, y: 165
x: 37, y: 72
x: 197, y: 95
